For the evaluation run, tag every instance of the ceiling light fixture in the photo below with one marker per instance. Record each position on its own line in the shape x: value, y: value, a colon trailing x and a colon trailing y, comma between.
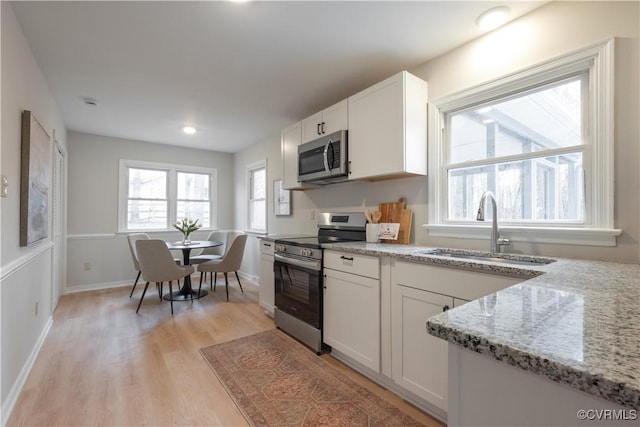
x: 189, y: 130
x: 493, y: 18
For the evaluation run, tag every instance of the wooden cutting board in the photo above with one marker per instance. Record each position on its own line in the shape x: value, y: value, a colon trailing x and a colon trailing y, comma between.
x: 396, y: 212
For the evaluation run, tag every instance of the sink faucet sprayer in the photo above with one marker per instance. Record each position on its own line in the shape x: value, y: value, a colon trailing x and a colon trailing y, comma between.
x: 496, y: 241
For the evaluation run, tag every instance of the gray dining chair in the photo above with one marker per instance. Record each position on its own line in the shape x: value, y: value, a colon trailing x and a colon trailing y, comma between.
x: 157, y: 265
x: 131, y: 240
x: 230, y: 261
x: 213, y: 253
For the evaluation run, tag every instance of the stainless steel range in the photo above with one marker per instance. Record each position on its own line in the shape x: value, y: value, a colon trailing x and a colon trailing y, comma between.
x: 298, y: 275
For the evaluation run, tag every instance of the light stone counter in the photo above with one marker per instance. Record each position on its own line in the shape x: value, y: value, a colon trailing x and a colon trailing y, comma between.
x: 575, y: 322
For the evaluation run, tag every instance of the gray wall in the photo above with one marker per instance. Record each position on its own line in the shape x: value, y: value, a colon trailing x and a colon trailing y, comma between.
x: 547, y: 32
x: 26, y: 274
x: 93, y: 203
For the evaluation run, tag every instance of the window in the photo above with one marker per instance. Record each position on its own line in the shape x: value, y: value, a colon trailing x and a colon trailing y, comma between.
x: 153, y: 196
x: 527, y: 149
x: 541, y: 140
x: 257, y: 197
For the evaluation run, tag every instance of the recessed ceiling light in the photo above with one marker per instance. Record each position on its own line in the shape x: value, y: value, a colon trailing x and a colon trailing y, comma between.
x: 189, y: 130
x: 493, y: 18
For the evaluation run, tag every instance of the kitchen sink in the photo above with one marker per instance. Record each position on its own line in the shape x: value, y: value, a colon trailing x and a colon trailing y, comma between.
x: 489, y: 257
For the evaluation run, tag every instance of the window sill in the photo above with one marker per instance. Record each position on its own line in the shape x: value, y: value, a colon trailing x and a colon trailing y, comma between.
x: 557, y: 235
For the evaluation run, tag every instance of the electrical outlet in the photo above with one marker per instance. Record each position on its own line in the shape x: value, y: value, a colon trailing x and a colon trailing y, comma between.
x: 37, y: 306
x: 87, y: 266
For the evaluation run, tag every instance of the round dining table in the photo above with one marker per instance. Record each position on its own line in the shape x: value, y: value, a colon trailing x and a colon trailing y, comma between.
x: 187, y: 293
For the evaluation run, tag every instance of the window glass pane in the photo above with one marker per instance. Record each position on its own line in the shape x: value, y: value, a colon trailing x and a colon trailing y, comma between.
x: 193, y: 186
x: 259, y: 184
x: 146, y: 214
x: 195, y: 210
x: 541, y: 189
x: 547, y: 118
x: 147, y: 184
x: 257, y: 215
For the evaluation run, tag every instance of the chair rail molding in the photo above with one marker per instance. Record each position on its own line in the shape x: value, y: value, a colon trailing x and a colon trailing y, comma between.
x: 7, y: 270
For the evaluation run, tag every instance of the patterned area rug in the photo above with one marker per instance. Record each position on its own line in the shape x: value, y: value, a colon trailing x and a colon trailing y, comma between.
x: 276, y: 381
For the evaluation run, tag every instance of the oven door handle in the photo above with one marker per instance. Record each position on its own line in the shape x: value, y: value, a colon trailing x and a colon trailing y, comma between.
x: 312, y: 265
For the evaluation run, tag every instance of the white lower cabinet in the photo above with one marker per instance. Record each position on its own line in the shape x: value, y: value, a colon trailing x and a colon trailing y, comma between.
x: 419, y: 360
x: 418, y: 291
x: 375, y: 312
x: 267, y: 278
x: 351, y: 318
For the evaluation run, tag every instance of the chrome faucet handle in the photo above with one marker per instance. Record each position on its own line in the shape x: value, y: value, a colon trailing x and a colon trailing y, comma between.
x: 503, y: 242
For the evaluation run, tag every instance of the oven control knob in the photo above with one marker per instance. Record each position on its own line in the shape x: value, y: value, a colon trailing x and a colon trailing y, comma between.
x: 306, y: 252
x: 281, y: 248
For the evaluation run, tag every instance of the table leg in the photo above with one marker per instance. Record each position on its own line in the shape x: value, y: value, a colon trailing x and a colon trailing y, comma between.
x: 187, y: 293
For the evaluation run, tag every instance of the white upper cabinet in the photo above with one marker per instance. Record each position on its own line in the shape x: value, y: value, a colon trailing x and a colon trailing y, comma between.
x: 388, y: 129
x: 327, y: 121
x: 291, y: 139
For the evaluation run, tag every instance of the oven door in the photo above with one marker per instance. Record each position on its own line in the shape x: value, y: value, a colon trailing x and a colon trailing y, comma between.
x: 298, y: 286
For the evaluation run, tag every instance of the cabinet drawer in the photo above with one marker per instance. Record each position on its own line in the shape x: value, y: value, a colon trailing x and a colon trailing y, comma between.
x: 362, y: 265
x: 266, y: 247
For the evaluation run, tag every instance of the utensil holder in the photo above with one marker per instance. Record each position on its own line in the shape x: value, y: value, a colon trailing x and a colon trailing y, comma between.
x: 372, y: 233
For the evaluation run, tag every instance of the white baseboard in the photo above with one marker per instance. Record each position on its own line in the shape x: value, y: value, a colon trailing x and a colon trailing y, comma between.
x: 253, y: 280
x: 12, y: 396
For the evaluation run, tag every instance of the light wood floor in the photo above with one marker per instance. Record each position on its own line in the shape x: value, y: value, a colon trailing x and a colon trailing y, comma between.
x: 103, y: 364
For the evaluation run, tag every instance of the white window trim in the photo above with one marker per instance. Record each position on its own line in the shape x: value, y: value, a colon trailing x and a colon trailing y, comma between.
x: 598, y: 228
x: 250, y: 168
x: 172, y: 192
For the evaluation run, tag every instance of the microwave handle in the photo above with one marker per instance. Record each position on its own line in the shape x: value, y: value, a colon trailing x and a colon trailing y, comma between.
x: 326, y: 157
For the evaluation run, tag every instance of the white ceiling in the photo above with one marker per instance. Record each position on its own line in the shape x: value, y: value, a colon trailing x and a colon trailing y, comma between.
x: 238, y: 72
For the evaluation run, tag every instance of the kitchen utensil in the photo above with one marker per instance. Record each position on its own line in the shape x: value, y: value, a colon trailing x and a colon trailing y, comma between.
x: 396, y: 213
x: 376, y: 216
x: 367, y: 215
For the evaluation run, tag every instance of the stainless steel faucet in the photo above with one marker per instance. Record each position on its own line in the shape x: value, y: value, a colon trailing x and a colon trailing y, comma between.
x: 496, y: 241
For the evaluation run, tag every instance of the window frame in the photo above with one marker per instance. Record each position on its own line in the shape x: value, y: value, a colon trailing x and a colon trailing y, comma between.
x: 262, y: 164
x: 172, y: 192
x: 598, y: 225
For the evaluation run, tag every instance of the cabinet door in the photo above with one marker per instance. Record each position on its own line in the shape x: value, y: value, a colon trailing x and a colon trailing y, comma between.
x: 291, y: 138
x: 311, y: 127
x: 388, y: 129
x: 376, y: 124
x: 267, y: 282
x: 419, y: 360
x: 351, y: 323
x: 327, y: 121
x: 335, y: 118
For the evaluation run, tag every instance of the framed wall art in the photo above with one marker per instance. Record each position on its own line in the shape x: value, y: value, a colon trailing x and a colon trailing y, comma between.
x: 35, y: 180
x: 281, y: 199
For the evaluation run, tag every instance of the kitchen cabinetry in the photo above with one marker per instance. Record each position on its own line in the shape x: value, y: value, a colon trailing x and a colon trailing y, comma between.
x: 267, y: 280
x: 291, y: 138
x: 388, y: 129
x: 419, y: 360
x: 327, y: 121
x: 351, y: 315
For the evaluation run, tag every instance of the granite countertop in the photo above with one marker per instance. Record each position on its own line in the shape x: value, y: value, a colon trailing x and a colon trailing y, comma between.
x: 575, y: 322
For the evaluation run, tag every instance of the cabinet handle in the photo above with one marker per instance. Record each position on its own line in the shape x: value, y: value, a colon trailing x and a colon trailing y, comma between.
x: 267, y: 244
x: 346, y: 258
x: 445, y: 307
x: 318, y: 129
x: 322, y: 127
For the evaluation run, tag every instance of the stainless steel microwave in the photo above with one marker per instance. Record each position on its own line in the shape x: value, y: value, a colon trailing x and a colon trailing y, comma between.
x: 324, y: 160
